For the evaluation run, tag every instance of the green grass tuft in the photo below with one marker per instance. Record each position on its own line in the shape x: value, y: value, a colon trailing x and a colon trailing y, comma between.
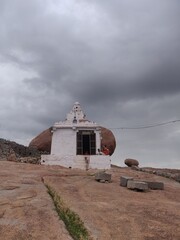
x: 72, y: 221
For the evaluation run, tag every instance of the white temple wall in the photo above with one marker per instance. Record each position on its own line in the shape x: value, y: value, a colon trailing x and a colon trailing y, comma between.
x: 78, y: 161
x: 98, y: 140
x: 100, y: 162
x: 64, y: 142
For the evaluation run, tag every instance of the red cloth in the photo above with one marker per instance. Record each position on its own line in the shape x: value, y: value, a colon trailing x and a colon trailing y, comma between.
x: 105, y: 151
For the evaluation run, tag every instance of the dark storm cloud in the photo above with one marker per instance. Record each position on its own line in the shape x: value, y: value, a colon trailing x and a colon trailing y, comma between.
x: 120, y: 55
x: 62, y: 56
x: 161, y: 82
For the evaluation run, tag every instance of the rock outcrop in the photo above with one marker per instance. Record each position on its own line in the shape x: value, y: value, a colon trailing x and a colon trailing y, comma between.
x: 131, y: 162
x: 12, y: 151
x: 164, y: 172
x: 107, y: 211
x: 43, y: 141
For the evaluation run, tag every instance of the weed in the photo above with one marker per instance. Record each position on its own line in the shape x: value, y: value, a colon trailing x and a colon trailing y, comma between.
x: 72, y: 221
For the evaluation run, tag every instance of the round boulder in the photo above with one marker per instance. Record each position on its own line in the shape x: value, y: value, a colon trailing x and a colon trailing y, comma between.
x: 42, y: 142
x: 131, y: 162
x: 108, y: 139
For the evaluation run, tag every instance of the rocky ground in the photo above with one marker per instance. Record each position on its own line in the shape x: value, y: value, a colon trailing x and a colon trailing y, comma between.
x: 13, y: 151
x: 164, y: 172
x: 108, y: 210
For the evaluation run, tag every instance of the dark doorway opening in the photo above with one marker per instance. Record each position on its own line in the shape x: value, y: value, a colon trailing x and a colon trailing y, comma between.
x: 86, y: 142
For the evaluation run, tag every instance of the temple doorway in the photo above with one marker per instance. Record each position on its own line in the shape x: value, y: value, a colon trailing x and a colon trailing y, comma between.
x: 86, y: 142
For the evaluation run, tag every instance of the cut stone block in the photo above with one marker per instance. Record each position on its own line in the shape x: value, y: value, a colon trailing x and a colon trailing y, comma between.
x: 103, y: 176
x: 155, y: 185
x: 137, y: 185
x: 124, y: 180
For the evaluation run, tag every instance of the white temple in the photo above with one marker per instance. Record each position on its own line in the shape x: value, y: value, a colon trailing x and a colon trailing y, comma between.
x: 75, y: 143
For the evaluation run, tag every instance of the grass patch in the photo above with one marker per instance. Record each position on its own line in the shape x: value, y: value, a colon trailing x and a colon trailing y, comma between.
x: 73, y: 223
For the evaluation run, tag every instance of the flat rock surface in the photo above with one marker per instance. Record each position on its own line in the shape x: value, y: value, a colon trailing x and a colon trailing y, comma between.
x: 109, y: 211
x: 26, y: 210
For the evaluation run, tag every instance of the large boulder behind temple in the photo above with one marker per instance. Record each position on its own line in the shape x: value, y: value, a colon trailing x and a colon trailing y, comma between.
x: 43, y: 141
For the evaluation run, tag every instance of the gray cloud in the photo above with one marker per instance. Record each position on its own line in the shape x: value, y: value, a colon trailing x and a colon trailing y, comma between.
x: 120, y: 59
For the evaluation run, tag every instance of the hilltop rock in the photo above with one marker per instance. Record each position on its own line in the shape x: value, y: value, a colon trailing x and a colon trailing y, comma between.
x: 107, y: 211
x: 12, y: 151
x: 131, y: 162
x: 43, y: 141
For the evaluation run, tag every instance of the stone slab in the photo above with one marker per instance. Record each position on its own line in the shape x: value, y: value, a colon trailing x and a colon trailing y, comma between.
x: 155, y: 185
x: 124, y: 180
x: 137, y: 185
x: 103, y: 176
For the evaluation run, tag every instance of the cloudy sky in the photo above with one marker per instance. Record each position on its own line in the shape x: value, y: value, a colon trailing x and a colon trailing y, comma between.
x: 120, y: 59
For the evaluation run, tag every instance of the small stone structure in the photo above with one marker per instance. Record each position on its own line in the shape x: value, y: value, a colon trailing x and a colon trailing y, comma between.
x: 75, y: 143
x: 155, y: 185
x: 140, y: 185
x: 103, y: 177
x: 124, y: 180
x: 137, y: 185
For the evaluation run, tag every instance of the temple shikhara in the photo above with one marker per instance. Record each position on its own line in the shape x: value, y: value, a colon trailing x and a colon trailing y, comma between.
x: 76, y: 143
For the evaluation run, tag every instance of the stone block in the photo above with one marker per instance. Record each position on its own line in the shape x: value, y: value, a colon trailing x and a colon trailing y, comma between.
x: 103, y: 176
x: 124, y: 180
x: 137, y: 185
x: 155, y: 185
